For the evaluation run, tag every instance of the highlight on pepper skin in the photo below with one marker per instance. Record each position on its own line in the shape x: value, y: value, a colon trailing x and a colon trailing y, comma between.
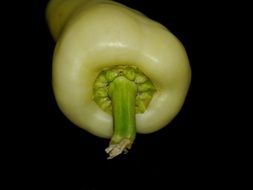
x: 115, y: 71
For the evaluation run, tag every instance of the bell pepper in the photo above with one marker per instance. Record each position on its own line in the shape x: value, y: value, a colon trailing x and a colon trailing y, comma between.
x: 115, y: 71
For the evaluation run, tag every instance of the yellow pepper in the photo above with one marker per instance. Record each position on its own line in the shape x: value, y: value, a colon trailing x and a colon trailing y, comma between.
x: 115, y: 71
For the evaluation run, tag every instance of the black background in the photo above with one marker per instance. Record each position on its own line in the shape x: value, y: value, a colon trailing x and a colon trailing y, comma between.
x: 55, y: 153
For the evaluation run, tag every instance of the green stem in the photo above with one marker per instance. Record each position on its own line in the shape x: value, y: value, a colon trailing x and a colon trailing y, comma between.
x: 123, y: 94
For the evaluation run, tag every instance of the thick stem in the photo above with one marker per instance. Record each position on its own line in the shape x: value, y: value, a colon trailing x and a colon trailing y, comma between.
x: 122, y: 91
x: 123, y: 94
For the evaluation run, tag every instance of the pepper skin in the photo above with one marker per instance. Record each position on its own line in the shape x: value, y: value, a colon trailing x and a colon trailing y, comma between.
x: 100, y: 34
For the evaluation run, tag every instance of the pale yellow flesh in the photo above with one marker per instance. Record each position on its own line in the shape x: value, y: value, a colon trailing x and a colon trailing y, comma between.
x: 104, y: 34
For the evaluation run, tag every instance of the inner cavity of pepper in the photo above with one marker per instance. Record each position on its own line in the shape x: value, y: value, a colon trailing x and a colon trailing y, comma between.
x: 144, y: 86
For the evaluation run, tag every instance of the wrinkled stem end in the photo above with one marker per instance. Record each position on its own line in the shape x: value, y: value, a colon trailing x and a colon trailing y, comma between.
x: 122, y: 93
x: 116, y: 149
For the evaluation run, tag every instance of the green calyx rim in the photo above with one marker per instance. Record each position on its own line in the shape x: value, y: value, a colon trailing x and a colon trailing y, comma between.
x: 145, y: 88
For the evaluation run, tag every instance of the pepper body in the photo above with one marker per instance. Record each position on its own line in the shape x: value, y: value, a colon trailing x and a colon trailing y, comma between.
x: 94, y: 35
